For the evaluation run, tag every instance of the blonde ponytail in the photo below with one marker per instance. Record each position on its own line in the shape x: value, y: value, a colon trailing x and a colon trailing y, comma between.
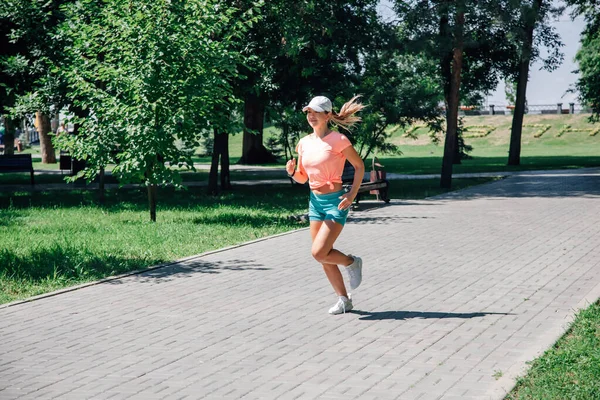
x: 346, y: 118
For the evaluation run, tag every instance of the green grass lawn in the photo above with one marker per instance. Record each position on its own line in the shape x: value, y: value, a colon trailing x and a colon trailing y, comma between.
x: 56, y: 239
x: 571, y: 368
x: 490, y: 153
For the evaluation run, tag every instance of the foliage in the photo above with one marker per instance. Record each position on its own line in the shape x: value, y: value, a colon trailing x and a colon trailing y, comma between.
x: 291, y: 124
x: 28, y: 49
x: 398, y: 90
x: 563, y: 130
x: 320, y: 45
x: 529, y: 29
x: 510, y: 91
x: 463, y: 148
x: 518, y: 17
x: 486, y: 50
x: 469, y: 44
x: 151, y: 78
x: 324, y: 48
x: 568, y: 128
x: 588, y: 56
x: 302, y: 49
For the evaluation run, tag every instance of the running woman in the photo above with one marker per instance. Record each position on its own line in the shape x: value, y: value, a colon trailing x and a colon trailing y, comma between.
x: 321, y: 158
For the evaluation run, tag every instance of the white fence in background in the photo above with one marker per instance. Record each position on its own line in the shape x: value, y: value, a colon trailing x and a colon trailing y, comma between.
x: 558, y: 108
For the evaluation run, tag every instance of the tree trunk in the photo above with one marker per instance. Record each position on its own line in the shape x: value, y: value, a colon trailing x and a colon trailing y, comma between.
x: 213, y: 175
x: 9, y: 136
x: 514, y: 152
x: 101, y: 191
x: 46, y: 147
x: 446, y: 71
x: 223, y: 148
x: 76, y: 164
x: 220, y: 150
x: 27, y: 136
x: 152, y: 201
x: 452, y: 112
x: 457, y: 153
x: 253, y: 150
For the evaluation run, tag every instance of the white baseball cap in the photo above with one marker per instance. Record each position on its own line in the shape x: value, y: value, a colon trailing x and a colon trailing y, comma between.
x: 319, y: 104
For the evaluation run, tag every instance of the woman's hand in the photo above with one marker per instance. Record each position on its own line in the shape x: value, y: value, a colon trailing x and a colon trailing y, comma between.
x: 290, y: 166
x: 346, y: 201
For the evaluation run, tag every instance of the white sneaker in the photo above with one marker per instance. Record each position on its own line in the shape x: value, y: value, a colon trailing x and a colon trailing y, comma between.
x: 355, y: 272
x: 343, y: 305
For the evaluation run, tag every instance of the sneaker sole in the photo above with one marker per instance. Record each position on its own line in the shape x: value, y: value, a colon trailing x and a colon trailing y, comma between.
x: 340, y: 313
x: 360, y: 269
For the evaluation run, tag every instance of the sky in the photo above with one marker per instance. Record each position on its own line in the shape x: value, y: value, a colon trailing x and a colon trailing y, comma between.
x: 544, y: 87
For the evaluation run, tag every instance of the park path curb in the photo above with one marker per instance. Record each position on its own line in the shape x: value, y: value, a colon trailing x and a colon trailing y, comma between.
x: 508, y: 380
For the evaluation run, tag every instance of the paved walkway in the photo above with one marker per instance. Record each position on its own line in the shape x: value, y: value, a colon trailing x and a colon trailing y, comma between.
x: 459, y: 292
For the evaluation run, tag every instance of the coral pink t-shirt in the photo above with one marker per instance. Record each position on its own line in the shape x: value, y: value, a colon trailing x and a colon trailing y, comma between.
x: 322, y: 159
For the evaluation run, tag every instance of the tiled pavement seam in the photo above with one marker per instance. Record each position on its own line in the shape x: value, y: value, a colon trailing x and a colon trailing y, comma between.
x: 456, y: 289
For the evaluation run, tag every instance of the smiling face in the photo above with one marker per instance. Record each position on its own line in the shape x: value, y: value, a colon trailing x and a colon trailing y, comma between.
x: 317, y: 119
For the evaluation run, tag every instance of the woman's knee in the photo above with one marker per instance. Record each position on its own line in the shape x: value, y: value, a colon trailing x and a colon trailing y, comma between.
x: 320, y: 253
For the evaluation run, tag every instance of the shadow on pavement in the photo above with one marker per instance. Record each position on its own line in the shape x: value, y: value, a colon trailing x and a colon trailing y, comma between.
x: 380, y: 220
x: 402, y: 315
x: 550, y: 184
x: 188, y: 268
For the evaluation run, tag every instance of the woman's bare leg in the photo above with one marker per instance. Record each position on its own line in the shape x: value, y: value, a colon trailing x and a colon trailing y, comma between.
x: 324, y: 235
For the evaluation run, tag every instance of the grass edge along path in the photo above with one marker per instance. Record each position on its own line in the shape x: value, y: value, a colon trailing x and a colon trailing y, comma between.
x: 55, y: 240
x: 571, y: 368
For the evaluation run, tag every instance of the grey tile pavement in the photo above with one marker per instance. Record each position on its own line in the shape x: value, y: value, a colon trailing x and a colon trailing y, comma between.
x: 459, y: 292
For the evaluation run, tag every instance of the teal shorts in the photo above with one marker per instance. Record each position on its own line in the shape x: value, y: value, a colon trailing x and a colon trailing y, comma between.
x: 324, y: 207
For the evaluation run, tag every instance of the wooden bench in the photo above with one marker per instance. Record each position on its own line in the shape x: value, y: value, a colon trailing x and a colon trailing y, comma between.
x: 17, y: 163
x: 377, y: 184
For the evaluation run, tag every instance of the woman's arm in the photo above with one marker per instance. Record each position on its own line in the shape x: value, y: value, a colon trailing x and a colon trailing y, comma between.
x: 359, y: 174
x: 296, y: 174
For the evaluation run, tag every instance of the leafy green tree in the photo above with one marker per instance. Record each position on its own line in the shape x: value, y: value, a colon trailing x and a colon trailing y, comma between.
x: 11, y: 81
x: 470, y: 41
x: 220, y: 150
x: 302, y: 49
x: 510, y: 91
x: 588, y: 56
x: 13, y: 67
x: 398, y: 90
x: 529, y: 25
x: 25, y: 45
x: 27, y: 49
x: 151, y: 76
